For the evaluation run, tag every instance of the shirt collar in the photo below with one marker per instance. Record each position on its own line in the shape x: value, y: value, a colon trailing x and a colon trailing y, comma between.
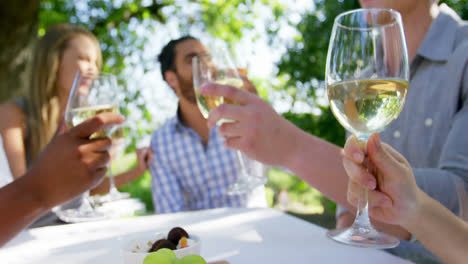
x: 440, y: 39
x: 178, y: 126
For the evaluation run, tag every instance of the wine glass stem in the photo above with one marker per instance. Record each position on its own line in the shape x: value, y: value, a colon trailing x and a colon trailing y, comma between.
x: 112, y: 187
x: 242, y: 164
x: 86, y: 205
x: 362, y: 221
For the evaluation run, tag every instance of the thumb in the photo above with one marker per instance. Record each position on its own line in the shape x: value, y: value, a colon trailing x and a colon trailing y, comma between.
x: 96, y: 123
x: 380, y: 157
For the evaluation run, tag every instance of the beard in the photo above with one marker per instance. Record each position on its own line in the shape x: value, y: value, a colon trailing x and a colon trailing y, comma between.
x: 186, y: 90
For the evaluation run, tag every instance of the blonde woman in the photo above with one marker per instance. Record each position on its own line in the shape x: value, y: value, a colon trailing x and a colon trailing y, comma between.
x: 28, y: 124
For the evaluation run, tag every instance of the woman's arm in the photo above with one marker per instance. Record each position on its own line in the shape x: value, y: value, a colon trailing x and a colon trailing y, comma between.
x: 440, y: 231
x: 12, y: 130
x: 143, y: 156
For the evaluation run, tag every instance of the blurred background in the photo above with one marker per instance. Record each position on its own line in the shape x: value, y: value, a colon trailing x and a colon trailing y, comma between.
x: 282, y: 43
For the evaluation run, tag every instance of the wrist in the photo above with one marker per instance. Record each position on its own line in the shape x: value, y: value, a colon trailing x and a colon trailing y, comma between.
x: 33, y: 193
x: 416, y: 211
x: 291, y: 153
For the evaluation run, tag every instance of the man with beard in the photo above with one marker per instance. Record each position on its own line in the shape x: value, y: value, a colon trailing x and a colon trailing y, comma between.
x: 191, y: 168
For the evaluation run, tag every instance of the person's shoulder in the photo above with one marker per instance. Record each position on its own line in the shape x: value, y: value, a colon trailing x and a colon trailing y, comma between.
x: 166, y: 129
x: 12, y: 115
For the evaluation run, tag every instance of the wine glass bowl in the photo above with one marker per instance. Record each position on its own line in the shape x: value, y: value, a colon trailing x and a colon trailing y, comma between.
x: 367, y: 75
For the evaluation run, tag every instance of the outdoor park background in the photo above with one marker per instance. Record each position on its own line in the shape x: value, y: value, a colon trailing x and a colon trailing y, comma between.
x: 283, y: 44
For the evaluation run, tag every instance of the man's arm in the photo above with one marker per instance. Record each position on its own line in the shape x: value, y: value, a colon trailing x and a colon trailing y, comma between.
x: 70, y: 165
x: 19, y: 208
x: 312, y: 159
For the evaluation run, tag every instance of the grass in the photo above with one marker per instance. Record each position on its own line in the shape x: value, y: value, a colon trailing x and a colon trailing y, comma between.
x: 297, y: 197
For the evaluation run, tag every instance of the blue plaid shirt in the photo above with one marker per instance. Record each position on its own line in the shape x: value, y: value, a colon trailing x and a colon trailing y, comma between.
x: 190, y: 175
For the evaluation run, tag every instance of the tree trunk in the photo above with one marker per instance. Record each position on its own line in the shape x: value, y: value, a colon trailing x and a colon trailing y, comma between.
x: 19, y: 20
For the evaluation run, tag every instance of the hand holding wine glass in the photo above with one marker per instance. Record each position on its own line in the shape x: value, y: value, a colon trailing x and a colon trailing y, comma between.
x: 367, y: 76
x: 218, y: 68
x: 90, y: 95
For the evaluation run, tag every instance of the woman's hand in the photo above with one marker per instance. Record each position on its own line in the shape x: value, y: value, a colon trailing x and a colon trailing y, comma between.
x: 144, y: 155
x: 394, y: 197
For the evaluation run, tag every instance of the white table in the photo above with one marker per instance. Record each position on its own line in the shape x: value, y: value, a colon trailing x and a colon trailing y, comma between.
x: 237, y: 235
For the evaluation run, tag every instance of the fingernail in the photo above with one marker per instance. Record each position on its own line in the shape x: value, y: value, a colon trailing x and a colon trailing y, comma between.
x: 358, y: 157
x: 371, y: 184
x: 377, y: 141
x: 386, y: 202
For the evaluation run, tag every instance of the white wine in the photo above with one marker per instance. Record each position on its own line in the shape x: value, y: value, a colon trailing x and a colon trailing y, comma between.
x: 207, y: 103
x: 367, y: 106
x: 81, y: 114
x: 236, y: 82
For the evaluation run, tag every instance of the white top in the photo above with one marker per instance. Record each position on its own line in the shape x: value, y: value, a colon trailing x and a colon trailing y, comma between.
x: 5, y: 173
x: 236, y: 235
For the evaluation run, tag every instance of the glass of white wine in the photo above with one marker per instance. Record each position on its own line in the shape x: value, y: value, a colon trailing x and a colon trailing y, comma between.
x: 91, y: 95
x: 218, y: 67
x: 367, y: 75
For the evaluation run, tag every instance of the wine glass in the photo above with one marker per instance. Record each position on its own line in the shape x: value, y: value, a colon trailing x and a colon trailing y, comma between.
x: 90, y: 95
x: 218, y: 67
x: 367, y: 78
x: 118, y: 145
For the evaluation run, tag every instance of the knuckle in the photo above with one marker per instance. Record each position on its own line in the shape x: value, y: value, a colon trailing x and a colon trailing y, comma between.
x: 249, y: 143
x: 220, y: 110
x: 99, y: 120
x: 106, y: 157
x: 362, y: 176
x: 255, y: 116
x: 230, y: 91
x: 81, y: 151
x: 107, y: 142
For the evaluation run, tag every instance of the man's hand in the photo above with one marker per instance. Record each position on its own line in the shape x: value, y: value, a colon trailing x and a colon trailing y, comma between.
x: 259, y: 131
x: 72, y: 163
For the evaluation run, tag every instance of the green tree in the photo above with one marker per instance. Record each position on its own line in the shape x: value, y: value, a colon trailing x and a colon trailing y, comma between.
x: 303, y: 65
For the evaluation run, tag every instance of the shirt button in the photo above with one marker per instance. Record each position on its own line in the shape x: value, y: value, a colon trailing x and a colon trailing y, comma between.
x: 428, y: 122
x: 396, y: 134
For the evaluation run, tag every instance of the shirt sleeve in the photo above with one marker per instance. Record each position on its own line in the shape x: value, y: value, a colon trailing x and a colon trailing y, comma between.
x: 448, y: 182
x: 166, y: 189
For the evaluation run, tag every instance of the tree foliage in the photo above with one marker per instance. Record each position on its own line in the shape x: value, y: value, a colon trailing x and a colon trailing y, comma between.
x: 303, y: 65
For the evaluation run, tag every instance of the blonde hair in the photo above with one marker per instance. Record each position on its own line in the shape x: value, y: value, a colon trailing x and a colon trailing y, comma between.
x: 42, y: 98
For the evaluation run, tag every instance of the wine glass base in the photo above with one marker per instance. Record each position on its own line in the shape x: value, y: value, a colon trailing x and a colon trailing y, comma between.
x: 111, y: 196
x: 364, y: 238
x: 78, y: 216
x: 246, y: 184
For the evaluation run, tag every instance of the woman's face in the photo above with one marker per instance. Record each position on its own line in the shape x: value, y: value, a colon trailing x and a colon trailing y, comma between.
x: 402, y: 6
x: 79, y: 55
